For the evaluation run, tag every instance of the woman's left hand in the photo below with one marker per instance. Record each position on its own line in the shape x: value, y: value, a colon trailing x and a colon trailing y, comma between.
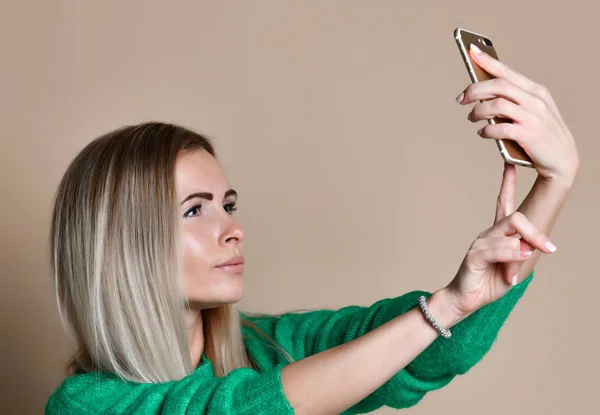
x: 536, y: 122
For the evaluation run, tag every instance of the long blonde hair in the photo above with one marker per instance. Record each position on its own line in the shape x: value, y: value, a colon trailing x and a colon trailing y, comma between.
x: 116, y: 260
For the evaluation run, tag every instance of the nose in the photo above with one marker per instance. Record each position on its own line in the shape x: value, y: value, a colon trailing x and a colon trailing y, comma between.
x: 232, y: 234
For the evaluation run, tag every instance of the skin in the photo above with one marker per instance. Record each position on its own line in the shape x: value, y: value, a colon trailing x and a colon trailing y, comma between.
x: 210, y: 237
x: 539, y: 128
x: 499, y: 257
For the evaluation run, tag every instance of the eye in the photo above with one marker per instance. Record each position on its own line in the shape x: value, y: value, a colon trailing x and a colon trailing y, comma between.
x: 230, y: 207
x: 194, y: 211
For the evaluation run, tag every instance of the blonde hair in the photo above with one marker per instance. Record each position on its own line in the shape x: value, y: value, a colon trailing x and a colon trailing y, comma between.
x: 116, y: 261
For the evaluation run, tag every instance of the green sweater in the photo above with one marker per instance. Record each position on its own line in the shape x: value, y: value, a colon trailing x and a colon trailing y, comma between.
x: 246, y: 391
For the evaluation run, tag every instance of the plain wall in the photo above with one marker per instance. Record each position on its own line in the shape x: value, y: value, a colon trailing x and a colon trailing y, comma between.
x: 359, y: 176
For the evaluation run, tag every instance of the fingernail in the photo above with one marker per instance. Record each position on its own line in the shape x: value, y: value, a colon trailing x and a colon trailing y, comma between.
x: 514, y: 280
x: 460, y: 97
x: 550, y: 246
x: 479, y: 131
x: 475, y: 48
x: 527, y: 253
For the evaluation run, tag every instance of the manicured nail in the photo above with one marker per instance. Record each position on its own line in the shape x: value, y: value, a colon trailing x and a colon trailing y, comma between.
x: 514, y: 280
x: 527, y: 253
x: 475, y: 49
x: 460, y: 97
x: 550, y: 246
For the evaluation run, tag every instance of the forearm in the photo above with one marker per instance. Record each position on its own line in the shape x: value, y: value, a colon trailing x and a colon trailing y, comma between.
x: 336, y: 379
x: 542, y: 207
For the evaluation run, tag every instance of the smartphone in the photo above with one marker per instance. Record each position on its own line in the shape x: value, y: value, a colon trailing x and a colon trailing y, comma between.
x: 510, y: 150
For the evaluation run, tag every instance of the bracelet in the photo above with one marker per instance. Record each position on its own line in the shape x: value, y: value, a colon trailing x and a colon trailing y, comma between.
x: 423, y: 304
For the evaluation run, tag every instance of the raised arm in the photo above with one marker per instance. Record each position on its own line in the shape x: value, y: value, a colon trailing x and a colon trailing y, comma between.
x: 364, y: 358
x: 538, y: 127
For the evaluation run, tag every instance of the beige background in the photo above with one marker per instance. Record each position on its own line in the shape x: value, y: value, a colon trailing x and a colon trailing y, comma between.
x: 360, y: 178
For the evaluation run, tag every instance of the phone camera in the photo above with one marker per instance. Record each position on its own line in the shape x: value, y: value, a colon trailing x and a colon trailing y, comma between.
x: 487, y: 42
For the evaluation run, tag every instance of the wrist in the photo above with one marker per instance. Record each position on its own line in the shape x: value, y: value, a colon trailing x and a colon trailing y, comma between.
x: 562, y: 181
x: 559, y: 183
x: 443, y: 309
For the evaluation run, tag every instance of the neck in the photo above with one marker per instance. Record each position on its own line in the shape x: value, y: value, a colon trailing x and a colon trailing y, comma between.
x: 195, y: 335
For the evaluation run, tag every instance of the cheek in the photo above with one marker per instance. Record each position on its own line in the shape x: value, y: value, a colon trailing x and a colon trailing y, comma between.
x: 196, y: 253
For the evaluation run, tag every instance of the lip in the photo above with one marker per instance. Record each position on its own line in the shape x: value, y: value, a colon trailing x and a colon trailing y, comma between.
x: 235, y: 265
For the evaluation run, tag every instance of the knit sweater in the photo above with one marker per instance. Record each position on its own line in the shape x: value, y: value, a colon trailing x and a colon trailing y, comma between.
x: 248, y: 391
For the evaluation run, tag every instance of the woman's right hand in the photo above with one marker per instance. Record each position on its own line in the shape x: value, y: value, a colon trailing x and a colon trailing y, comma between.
x: 491, y: 265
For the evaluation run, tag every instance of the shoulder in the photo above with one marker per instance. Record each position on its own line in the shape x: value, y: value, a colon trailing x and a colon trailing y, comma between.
x: 63, y: 400
x: 78, y: 394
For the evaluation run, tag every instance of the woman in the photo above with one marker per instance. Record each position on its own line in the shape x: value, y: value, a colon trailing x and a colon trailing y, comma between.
x: 148, y: 264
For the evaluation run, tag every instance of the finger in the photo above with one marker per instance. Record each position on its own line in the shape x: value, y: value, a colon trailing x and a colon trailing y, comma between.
x: 511, y: 242
x: 503, y: 242
x: 509, y: 269
x: 523, y: 247
x: 493, y: 88
x: 511, y: 272
x: 488, y: 256
x: 505, y: 205
x: 498, y: 107
x: 501, y: 70
x: 518, y: 223
x: 539, y: 97
x: 504, y: 131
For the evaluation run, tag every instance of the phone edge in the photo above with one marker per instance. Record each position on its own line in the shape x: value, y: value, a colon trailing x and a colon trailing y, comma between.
x: 461, y: 46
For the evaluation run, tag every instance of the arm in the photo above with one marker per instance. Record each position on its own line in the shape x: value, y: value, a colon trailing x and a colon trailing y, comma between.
x: 337, y: 378
x: 380, y: 355
x: 474, y: 336
x: 538, y: 127
x: 542, y: 207
x: 410, y: 360
x: 242, y: 391
x: 325, y: 383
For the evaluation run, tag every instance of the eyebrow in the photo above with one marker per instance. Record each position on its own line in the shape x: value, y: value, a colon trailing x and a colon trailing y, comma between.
x: 209, y: 196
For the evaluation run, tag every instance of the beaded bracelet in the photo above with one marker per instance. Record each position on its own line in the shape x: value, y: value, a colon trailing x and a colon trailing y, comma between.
x: 423, y: 304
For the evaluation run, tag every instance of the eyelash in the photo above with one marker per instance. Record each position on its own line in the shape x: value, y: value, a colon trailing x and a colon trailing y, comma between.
x: 231, y: 206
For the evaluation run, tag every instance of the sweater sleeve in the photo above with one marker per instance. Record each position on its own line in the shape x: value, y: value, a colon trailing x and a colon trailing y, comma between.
x: 305, y: 334
x: 242, y: 391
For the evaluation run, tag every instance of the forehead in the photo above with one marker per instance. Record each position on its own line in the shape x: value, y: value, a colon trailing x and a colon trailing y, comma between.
x: 198, y: 171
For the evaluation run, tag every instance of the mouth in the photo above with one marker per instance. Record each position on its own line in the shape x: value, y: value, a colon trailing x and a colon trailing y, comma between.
x: 235, y: 265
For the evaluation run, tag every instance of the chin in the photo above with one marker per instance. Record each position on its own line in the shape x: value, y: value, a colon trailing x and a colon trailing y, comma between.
x: 221, y: 295
x: 231, y: 297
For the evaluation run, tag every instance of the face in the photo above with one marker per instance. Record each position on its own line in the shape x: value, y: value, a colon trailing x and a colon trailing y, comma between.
x: 213, y: 260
